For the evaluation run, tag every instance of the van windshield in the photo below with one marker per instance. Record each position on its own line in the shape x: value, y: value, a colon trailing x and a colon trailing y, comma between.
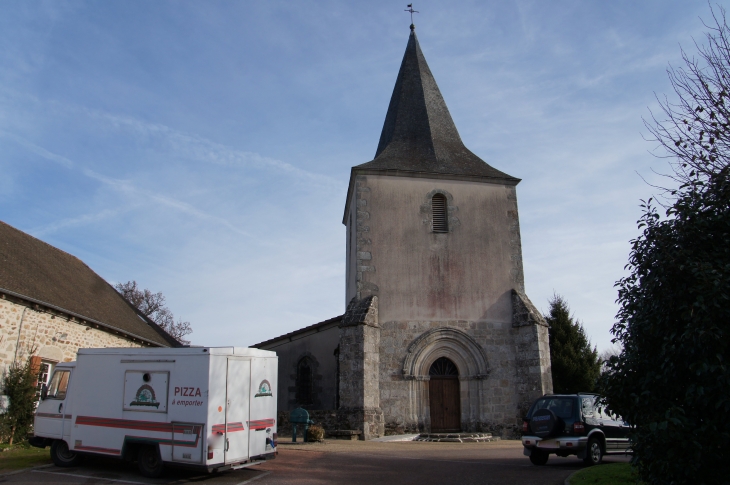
x: 561, y: 406
x: 59, y: 384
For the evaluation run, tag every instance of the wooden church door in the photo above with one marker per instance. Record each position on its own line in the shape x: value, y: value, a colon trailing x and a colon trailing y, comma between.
x: 443, y: 392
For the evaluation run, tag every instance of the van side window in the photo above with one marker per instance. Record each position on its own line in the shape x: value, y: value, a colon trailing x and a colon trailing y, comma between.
x: 59, y: 384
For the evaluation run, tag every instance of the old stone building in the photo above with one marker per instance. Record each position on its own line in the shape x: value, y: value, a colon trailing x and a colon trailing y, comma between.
x: 438, y: 334
x: 52, y: 304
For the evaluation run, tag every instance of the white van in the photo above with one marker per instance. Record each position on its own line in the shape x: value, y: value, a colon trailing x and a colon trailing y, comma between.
x: 207, y: 408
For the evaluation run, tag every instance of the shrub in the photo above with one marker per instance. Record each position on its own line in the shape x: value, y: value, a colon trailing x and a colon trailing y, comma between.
x: 315, y: 433
x: 19, y: 384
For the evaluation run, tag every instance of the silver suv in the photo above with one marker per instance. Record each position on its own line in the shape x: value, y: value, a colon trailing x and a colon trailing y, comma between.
x: 572, y: 424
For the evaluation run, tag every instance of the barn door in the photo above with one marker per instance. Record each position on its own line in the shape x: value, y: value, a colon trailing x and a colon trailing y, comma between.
x: 443, y: 391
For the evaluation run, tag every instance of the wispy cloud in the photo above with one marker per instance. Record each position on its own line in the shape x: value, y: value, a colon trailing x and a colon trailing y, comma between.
x: 38, y: 150
x: 205, y: 150
x: 120, y: 185
x: 81, y: 220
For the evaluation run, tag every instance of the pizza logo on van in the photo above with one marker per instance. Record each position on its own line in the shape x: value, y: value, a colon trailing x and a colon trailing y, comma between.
x: 145, y: 397
x: 264, y: 389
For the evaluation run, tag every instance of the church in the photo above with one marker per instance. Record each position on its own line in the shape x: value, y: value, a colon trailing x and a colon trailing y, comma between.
x: 438, y: 334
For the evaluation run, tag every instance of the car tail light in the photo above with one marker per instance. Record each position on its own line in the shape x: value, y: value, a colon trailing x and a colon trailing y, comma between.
x: 525, y: 427
x: 210, y: 453
x: 579, y: 428
x: 275, y: 439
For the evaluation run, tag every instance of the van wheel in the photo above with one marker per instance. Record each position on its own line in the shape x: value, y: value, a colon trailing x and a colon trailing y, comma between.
x: 62, y: 456
x: 539, y: 457
x: 149, y: 462
x: 594, y: 453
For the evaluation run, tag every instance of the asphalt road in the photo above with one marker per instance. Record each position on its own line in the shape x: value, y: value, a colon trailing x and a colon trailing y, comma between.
x: 336, y: 462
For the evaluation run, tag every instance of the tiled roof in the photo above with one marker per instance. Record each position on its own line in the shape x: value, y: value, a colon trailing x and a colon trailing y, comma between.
x: 42, y: 274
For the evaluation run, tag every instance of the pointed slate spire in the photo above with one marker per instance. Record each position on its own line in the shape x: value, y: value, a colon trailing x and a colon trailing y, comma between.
x: 418, y: 134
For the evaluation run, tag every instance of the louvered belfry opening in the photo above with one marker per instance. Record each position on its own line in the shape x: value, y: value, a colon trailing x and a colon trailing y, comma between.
x: 440, y: 220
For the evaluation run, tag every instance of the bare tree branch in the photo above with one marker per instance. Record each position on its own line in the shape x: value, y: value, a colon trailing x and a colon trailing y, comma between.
x: 152, y: 305
x: 695, y: 130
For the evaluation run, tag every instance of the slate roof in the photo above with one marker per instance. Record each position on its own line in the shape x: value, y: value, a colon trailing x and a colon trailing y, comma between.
x: 289, y: 336
x: 418, y: 134
x: 40, y: 273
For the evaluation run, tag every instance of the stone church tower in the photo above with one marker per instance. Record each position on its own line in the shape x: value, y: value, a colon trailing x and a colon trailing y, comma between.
x: 438, y: 334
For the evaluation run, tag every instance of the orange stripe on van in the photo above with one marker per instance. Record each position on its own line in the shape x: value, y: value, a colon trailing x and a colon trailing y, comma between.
x: 135, y: 424
x: 261, y: 423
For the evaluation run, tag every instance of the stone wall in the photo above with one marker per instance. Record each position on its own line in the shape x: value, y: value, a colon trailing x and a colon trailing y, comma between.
x: 359, y: 257
x: 487, y: 389
x: 319, y: 345
x: 52, y: 335
x: 446, y: 295
x: 534, y: 370
x: 360, y: 369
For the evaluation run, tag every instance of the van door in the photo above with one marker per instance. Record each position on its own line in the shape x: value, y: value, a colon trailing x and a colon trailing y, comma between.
x: 50, y: 415
x: 238, y: 380
x: 263, y: 407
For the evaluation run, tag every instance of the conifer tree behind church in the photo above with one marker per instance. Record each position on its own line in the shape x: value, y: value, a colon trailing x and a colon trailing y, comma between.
x: 575, y: 365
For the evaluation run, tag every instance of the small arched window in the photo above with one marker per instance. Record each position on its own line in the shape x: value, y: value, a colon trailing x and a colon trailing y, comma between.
x: 439, y: 210
x: 304, y: 382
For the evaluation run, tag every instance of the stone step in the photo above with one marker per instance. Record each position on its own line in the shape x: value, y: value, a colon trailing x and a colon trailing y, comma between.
x: 344, y: 434
x: 457, y: 437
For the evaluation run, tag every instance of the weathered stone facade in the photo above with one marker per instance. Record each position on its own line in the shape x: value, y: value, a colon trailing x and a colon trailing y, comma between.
x: 359, y: 356
x: 438, y: 333
x: 52, y: 335
x: 319, y: 343
x: 359, y: 244
x: 458, y: 295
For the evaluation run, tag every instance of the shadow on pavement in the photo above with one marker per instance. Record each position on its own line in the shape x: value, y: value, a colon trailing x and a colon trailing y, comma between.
x: 111, y: 471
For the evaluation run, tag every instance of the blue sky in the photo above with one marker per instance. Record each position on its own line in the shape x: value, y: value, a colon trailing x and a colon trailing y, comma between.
x: 203, y: 149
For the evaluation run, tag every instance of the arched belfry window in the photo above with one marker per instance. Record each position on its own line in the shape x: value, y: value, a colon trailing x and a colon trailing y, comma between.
x: 304, y: 382
x: 439, y: 211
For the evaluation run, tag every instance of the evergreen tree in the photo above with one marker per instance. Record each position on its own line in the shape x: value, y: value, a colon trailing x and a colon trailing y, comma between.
x: 19, y: 384
x: 575, y: 365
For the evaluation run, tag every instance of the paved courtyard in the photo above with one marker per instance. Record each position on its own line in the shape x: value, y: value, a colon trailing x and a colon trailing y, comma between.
x: 352, y: 462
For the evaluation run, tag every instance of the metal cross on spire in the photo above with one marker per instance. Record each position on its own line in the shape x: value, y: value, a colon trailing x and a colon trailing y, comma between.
x: 410, y: 9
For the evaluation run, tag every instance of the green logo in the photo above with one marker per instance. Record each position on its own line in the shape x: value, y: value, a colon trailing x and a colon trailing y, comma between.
x: 264, y: 389
x: 145, y: 397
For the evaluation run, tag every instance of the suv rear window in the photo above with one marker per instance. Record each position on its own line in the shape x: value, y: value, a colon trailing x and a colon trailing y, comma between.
x: 563, y: 407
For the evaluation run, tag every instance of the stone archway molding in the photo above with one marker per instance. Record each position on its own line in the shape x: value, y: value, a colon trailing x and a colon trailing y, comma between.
x: 448, y: 342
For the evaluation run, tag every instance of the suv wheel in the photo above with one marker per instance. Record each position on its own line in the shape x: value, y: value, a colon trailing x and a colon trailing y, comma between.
x: 594, y: 453
x: 539, y: 457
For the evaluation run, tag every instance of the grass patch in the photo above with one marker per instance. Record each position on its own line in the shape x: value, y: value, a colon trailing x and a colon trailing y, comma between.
x: 612, y: 474
x: 22, y: 456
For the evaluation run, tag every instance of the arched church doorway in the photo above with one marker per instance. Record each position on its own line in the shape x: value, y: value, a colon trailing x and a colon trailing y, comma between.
x: 443, y: 392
